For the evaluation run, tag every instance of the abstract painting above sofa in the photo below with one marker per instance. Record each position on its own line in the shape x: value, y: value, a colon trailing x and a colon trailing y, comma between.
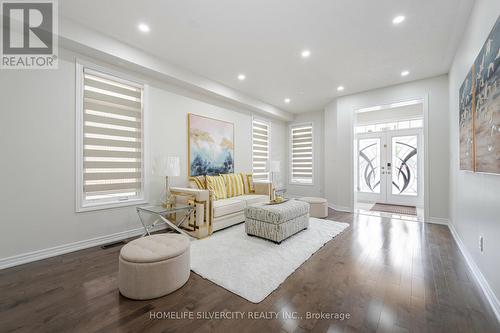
x: 211, y: 146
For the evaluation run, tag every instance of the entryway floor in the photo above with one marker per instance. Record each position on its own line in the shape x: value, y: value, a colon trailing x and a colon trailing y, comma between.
x: 365, y: 209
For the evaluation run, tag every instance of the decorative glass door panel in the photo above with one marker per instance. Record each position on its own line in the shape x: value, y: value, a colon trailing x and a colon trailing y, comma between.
x: 389, y: 167
x: 405, y: 165
x: 369, y: 165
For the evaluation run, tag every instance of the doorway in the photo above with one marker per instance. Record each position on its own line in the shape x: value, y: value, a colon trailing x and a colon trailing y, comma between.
x: 390, y: 167
x: 389, y: 160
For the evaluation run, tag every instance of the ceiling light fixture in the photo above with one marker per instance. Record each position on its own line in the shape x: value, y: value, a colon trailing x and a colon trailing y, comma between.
x: 287, y: 100
x: 143, y: 27
x: 405, y: 73
x: 305, y: 53
x: 340, y: 88
x: 398, y: 19
x: 241, y: 77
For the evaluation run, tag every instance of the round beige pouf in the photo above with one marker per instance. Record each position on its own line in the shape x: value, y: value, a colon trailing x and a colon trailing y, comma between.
x: 318, y: 207
x: 153, y: 266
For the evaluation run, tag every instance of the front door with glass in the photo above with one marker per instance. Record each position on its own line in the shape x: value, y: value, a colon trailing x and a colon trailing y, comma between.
x: 389, y: 167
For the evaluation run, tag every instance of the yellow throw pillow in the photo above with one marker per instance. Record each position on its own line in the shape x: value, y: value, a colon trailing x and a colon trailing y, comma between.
x: 199, y: 181
x: 217, y: 186
x: 247, y: 179
x: 234, y: 185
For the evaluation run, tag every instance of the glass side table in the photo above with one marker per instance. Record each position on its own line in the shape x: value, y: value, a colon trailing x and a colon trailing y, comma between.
x: 161, y: 213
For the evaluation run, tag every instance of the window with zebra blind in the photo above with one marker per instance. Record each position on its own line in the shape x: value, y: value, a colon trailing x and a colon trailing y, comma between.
x: 301, y: 152
x: 260, y: 149
x: 110, y: 140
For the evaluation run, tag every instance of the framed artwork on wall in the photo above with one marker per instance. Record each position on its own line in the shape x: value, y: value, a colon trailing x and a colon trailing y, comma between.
x: 480, y: 109
x: 487, y: 104
x: 466, y: 124
x: 210, y: 146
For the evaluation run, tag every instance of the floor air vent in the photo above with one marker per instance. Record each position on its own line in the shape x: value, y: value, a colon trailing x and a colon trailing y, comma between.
x: 110, y: 245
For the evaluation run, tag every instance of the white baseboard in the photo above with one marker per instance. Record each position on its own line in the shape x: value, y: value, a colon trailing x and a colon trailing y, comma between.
x: 25, y: 258
x: 340, y: 208
x: 480, y: 279
x: 438, y: 220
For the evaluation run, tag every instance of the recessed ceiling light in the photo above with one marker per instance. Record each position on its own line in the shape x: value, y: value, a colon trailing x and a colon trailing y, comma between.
x: 398, y: 19
x: 241, y: 77
x: 404, y: 73
x: 340, y: 88
x: 287, y: 100
x: 305, y: 53
x: 143, y: 27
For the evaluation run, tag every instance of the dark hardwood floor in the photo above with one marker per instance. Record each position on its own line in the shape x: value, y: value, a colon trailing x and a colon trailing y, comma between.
x: 389, y: 275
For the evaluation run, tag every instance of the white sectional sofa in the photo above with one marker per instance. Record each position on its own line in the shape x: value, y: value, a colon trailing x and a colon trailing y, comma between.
x: 212, y: 215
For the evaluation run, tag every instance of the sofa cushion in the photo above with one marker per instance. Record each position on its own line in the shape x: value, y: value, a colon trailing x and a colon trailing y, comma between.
x: 228, y: 206
x: 247, y: 182
x: 217, y: 186
x: 234, y: 184
x: 251, y: 199
x: 198, y: 182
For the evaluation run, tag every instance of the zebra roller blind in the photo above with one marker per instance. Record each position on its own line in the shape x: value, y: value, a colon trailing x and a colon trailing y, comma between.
x: 112, y: 139
x: 260, y: 150
x: 302, y: 154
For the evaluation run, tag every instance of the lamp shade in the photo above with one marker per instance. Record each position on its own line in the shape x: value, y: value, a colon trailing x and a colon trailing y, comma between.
x: 167, y: 166
x: 173, y: 166
x: 275, y: 166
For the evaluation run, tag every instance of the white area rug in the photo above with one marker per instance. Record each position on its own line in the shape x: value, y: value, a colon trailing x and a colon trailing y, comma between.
x: 252, y: 267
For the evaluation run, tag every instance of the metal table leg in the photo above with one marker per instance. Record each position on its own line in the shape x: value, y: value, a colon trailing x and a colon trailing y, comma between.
x: 169, y: 223
x: 146, y: 232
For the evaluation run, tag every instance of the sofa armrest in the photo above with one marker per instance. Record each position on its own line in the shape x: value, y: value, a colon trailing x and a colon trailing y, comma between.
x: 264, y: 187
x: 199, y: 195
x: 201, y: 221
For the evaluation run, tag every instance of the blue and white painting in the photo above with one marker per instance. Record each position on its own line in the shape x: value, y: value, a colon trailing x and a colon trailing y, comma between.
x: 211, y: 146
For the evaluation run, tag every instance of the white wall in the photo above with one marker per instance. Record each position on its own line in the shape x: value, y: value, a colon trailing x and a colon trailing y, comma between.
x: 339, y: 117
x: 474, y: 197
x: 338, y: 126
x: 37, y: 138
x: 317, y: 188
x: 331, y: 154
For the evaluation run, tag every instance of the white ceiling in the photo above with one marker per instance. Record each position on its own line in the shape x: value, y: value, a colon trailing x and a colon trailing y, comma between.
x: 352, y: 42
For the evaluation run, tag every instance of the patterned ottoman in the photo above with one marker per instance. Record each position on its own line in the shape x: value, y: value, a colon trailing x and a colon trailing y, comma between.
x: 277, y: 222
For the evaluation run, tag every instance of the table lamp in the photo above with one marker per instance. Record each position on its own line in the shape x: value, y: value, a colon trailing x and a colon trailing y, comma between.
x: 167, y: 167
x: 275, y: 168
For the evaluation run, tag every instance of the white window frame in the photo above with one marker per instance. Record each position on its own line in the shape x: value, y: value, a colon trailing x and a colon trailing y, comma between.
x: 290, y: 153
x: 268, y: 123
x: 375, y: 123
x: 81, y: 204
